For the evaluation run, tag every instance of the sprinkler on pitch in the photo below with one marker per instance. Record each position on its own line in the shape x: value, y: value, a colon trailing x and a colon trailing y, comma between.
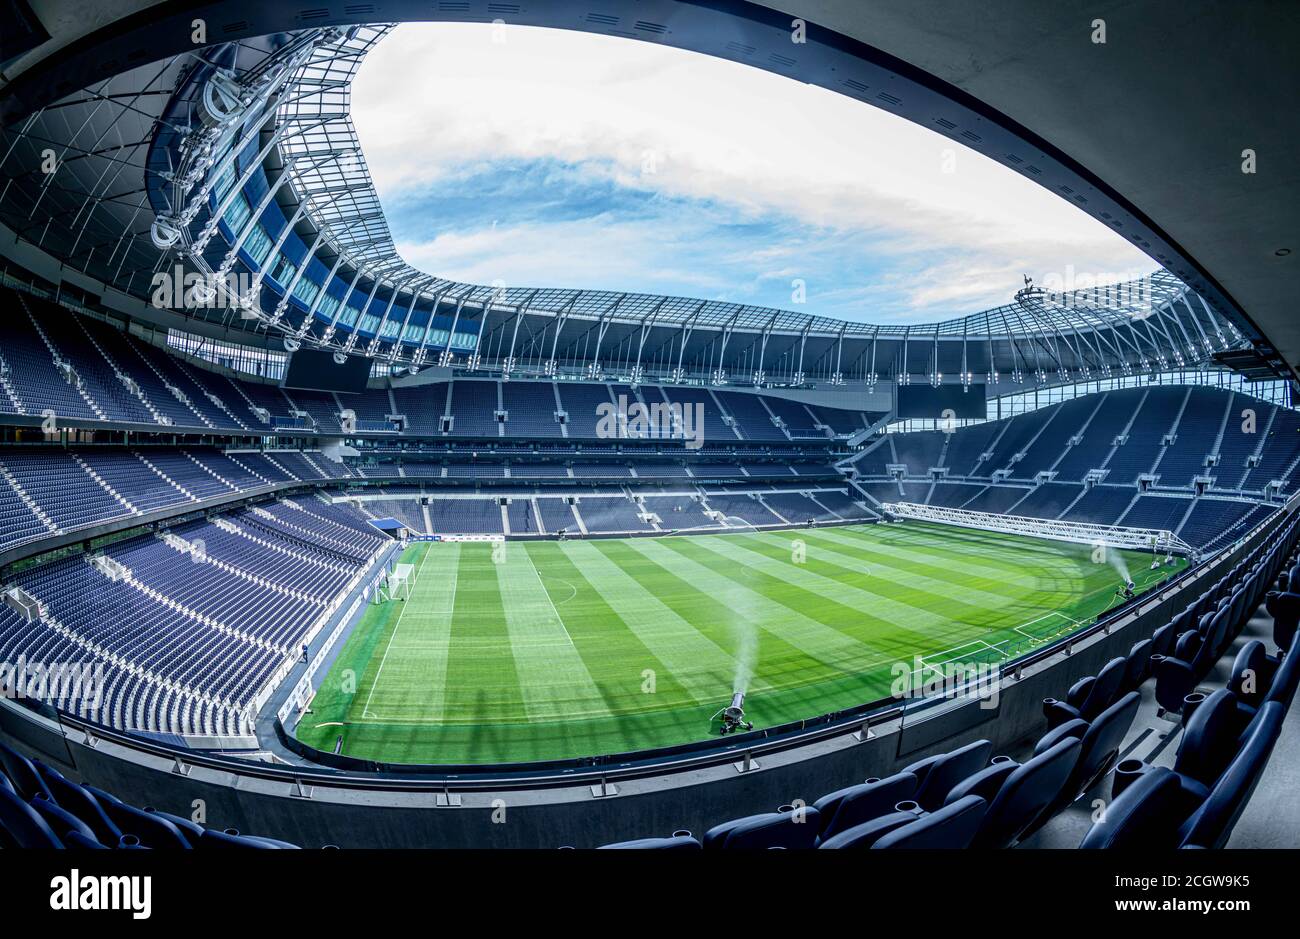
x: 733, y: 715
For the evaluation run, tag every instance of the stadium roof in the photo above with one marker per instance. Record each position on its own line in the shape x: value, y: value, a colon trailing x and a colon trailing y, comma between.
x: 122, y: 140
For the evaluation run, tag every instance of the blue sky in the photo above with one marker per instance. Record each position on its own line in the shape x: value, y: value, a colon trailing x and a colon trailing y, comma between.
x: 546, y: 158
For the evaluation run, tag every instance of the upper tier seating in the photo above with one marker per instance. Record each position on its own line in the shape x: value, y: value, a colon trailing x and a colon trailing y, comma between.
x: 531, y: 408
x: 753, y: 419
x: 583, y: 405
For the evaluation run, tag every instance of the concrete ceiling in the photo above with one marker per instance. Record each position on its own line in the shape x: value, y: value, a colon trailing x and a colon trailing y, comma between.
x: 1159, y: 114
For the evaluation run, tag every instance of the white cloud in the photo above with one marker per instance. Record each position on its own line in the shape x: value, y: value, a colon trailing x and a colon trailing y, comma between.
x: 434, y: 97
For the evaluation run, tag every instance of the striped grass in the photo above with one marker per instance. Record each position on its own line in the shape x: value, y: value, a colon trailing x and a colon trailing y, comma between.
x: 553, y: 650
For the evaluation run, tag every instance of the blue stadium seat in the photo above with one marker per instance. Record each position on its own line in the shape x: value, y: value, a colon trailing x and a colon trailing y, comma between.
x: 61, y: 821
x: 21, y: 772
x: 845, y: 808
x: 1194, y: 655
x: 1252, y: 674
x: 1089, y: 696
x: 1137, y: 665
x: 21, y: 826
x: 1210, y: 741
x: 791, y: 829
x: 1161, y: 809
x: 936, y: 775
x: 75, y: 799
x: 1099, y: 744
x: 866, y: 834
x: 674, y: 843
x: 1017, y: 793
x: 1145, y: 815
x: 1284, y: 607
x: 153, y: 830
x: 952, y: 828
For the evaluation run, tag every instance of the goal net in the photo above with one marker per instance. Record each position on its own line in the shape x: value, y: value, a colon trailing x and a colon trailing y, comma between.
x: 395, y: 584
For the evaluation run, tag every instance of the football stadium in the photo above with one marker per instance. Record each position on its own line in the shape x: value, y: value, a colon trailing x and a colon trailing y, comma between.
x: 316, y: 532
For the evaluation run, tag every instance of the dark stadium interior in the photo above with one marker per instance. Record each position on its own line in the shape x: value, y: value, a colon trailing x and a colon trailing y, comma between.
x: 203, y: 498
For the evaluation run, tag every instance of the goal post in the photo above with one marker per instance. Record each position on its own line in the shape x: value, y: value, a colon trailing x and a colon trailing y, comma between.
x: 1114, y: 536
x: 395, y: 584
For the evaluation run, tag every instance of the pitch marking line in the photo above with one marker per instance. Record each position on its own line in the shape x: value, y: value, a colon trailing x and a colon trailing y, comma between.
x: 1072, y: 624
x: 365, y: 710
x: 547, y: 594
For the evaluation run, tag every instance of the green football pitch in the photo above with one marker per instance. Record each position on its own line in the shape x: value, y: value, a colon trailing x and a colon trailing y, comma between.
x: 548, y: 650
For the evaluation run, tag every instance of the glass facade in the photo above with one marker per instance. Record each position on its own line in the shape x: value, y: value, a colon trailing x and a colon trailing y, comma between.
x: 1021, y: 402
x: 259, y: 363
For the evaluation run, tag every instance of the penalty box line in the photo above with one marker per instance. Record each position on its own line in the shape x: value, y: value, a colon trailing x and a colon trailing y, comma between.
x: 935, y: 660
x: 936, y: 666
x: 1070, y: 624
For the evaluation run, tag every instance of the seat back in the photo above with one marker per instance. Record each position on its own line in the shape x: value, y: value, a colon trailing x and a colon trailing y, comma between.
x: 1104, y: 690
x: 1026, y: 792
x: 1211, y: 738
x: 21, y: 772
x: 675, y: 843
x: 21, y: 826
x: 153, y: 830
x: 845, y: 808
x: 952, y: 827
x: 950, y: 769
x: 1143, y: 816
x: 1215, y: 639
x: 77, y: 800
x: 865, y: 835
x: 1137, y: 666
x: 61, y: 822
x: 1098, y: 747
x: 1284, y: 684
x: 1162, y: 640
x: 797, y: 829
x: 1250, y: 671
x: 1212, y: 823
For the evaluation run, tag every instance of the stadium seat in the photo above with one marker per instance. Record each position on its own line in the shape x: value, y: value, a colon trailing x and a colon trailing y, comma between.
x: 866, y: 834
x: 75, y: 799
x: 153, y: 830
x: 936, y: 775
x: 1284, y: 607
x: 61, y: 822
x: 845, y: 808
x: 1099, y: 743
x: 791, y: 829
x: 1287, y: 676
x: 1177, y: 675
x: 1160, y: 810
x: 231, y: 839
x: 21, y: 772
x: 1137, y: 665
x: 1088, y: 697
x: 21, y: 826
x: 191, y: 831
x: 1210, y: 741
x: 951, y: 827
x: 1145, y: 815
x: 674, y: 843
x: 1017, y: 793
x: 1252, y: 674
